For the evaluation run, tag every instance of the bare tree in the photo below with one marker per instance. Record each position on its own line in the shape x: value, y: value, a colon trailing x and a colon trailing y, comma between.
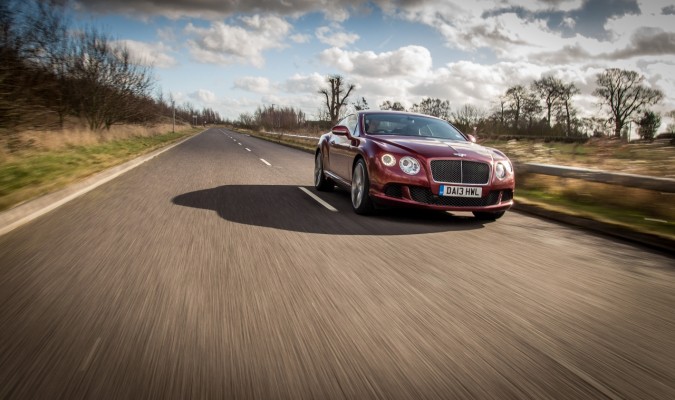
x: 285, y: 118
x: 395, y: 106
x: 594, y: 126
x: 336, y: 95
x: 468, y: 117
x: 499, y: 116
x: 33, y: 44
x: 434, y: 107
x: 549, y: 89
x: 50, y: 70
x: 361, y: 104
x: 567, y: 111
x: 111, y: 86
x: 515, y: 99
x: 623, y: 91
x: 531, y: 110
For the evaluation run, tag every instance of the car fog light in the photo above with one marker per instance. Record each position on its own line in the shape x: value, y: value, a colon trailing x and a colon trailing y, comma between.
x: 388, y: 160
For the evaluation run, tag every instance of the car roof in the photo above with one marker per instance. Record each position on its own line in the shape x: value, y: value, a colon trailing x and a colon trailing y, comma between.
x: 368, y: 112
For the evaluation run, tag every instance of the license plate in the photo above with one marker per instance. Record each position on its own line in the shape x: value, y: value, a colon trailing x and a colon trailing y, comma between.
x: 460, y: 191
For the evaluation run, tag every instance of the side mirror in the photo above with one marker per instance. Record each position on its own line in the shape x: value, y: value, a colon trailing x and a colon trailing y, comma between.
x: 340, y: 130
x: 472, y: 138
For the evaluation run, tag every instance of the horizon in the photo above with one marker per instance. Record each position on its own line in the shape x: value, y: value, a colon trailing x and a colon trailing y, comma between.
x: 391, y: 50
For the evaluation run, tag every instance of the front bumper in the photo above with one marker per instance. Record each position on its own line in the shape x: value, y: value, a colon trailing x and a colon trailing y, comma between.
x: 493, y: 199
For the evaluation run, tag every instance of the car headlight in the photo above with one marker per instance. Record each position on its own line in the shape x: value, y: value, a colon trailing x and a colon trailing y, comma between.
x: 409, y: 165
x: 502, y: 169
x: 388, y: 160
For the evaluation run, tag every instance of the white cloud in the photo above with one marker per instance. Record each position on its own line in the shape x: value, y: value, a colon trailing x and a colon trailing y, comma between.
x: 149, y: 54
x: 204, y: 96
x: 406, y: 61
x: 304, y: 83
x: 337, y: 13
x: 228, y: 44
x: 660, y: 75
x: 467, y: 82
x: 335, y: 36
x: 253, y: 84
x: 523, y: 39
x: 334, y: 10
x: 301, y: 38
x: 167, y: 34
x: 296, y: 84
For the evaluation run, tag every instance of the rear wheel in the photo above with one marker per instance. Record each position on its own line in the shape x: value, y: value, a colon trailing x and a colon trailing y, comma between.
x: 361, y: 201
x: 320, y: 181
x: 488, y: 216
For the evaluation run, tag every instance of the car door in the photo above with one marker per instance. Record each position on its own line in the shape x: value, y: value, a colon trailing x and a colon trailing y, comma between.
x: 342, y: 150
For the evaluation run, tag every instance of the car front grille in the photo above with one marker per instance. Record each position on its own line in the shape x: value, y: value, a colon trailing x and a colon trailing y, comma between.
x: 460, y: 171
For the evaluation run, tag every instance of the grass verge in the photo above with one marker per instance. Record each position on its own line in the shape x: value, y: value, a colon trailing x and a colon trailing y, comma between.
x: 654, y: 159
x: 34, y: 173
x: 631, y: 218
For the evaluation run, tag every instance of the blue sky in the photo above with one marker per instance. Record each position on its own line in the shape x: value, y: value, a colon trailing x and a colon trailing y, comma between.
x: 235, y: 56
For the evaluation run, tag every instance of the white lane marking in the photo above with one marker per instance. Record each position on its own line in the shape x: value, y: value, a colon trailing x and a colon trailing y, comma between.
x: 268, y: 164
x: 247, y: 149
x: 96, y: 182
x: 318, y: 199
x: 87, y: 360
x: 239, y: 143
x: 663, y: 221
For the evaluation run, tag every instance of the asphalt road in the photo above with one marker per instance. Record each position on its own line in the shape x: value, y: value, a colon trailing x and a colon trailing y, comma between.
x: 208, y: 273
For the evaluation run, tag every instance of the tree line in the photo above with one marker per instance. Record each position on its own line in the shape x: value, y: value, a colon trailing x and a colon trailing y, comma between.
x: 543, y: 108
x: 51, y: 71
x: 273, y: 118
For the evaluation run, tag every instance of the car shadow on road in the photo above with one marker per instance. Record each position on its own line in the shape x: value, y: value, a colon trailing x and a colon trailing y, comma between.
x: 289, y: 208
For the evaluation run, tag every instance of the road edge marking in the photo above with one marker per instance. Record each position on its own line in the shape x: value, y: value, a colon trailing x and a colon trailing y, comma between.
x: 318, y: 199
x: 98, y: 180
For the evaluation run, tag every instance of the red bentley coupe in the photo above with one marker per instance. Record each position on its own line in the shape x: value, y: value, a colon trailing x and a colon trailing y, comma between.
x: 404, y: 159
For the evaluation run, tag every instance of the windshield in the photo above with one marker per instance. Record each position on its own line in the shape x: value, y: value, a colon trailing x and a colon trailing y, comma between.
x: 410, y: 125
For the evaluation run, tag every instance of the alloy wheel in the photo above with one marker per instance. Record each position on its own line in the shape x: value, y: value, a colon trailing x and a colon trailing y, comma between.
x: 358, y: 186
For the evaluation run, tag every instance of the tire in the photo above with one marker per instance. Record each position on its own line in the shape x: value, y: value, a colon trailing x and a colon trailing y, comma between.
x: 488, y: 216
x: 361, y: 201
x: 321, y: 183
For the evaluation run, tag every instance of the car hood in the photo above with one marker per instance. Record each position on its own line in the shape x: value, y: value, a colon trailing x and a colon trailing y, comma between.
x: 433, y: 148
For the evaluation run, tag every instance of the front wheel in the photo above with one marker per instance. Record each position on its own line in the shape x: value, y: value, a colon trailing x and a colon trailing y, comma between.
x: 361, y: 201
x: 488, y: 216
x: 321, y: 183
